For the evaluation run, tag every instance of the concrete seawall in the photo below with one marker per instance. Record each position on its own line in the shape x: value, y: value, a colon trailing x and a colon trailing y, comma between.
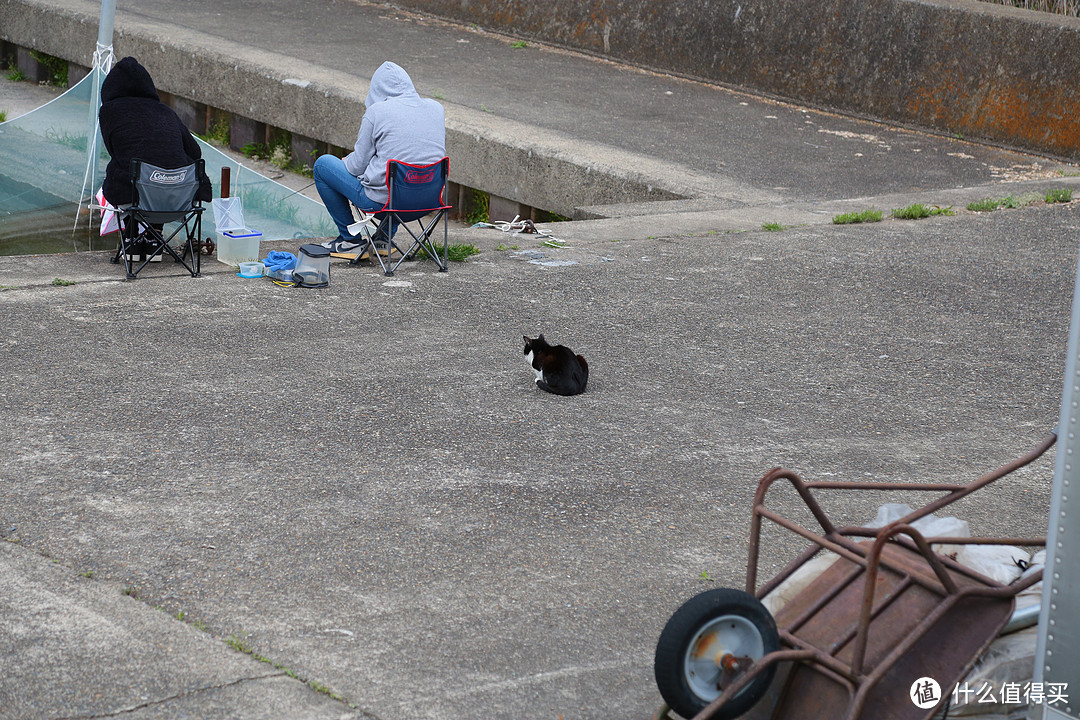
x: 319, y: 106
x: 952, y: 66
x: 905, y: 63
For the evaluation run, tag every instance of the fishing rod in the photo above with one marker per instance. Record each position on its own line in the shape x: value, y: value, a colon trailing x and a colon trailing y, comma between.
x: 297, y: 191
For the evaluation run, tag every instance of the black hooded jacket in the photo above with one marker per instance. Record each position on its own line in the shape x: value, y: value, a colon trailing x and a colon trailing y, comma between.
x: 136, y: 124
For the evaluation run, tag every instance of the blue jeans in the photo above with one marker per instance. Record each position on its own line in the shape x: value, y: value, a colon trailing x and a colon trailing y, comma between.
x: 338, y: 187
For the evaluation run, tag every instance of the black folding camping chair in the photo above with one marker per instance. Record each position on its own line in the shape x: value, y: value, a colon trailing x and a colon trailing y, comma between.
x: 162, y: 195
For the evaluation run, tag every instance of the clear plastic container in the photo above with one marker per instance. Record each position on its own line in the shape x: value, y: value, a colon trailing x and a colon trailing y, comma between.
x: 312, y: 266
x: 237, y: 246
x: 251, y: 269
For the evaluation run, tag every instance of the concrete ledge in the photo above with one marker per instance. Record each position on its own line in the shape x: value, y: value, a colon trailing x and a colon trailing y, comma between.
x: 545, y: 171
x: 954, y: 66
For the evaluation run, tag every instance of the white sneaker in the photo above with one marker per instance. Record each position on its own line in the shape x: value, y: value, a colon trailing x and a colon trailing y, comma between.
x: 340, y: 245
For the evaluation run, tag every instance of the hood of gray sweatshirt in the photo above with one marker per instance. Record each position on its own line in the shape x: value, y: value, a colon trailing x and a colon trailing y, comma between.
x: 398, y: 124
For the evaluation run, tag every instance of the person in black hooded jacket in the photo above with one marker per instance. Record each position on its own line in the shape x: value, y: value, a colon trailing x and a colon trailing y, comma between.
x: 136, y: 124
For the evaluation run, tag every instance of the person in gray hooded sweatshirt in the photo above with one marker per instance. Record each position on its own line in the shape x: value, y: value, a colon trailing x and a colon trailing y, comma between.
x: 398, y: 125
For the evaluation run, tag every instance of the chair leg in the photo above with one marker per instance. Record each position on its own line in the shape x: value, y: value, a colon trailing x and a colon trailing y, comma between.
x: 131, y: 238
x: 383, y: 230
x: 425, y: 241
x: 444, y: 266
x: 127, y: 247
x: 191, y: 246
x: 191, y: 234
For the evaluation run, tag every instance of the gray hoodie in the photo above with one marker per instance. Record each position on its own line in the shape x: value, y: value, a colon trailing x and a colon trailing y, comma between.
x: 398, y: 125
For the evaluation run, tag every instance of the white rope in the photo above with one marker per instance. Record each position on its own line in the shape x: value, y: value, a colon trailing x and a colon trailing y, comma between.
x: 517, y: 225
x: 104, y: 57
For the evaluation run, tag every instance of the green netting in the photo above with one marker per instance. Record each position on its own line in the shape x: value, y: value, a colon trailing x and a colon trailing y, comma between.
x: 43, y: 163
x: 52, y: 162
x: 269, y: 207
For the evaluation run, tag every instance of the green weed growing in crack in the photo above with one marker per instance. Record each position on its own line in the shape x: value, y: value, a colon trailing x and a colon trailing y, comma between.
x: 985, y: 205
x: 1059, y: 195
x: 240, y: 644
x: 1018, y: 201
x: 866, y: 216
x: 217, y: 134
x: 918, y: 211
x: 1011, y: 202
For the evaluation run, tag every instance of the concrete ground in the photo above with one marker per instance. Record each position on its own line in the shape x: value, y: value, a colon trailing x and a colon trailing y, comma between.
x: 227, y: 499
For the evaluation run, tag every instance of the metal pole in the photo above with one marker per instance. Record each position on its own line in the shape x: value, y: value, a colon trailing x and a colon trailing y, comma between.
x: 105, y: 24
x: 1057, y: 652
x: 103, y: 60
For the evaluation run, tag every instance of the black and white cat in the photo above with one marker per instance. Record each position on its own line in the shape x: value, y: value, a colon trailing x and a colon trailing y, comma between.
x: 558, y: 369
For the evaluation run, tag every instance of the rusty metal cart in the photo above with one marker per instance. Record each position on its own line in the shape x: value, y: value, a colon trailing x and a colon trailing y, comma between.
x: 855, y: 643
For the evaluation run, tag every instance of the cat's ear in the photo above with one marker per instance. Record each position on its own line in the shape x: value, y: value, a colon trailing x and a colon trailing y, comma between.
x: 526, y: 339
x: 541, y: 338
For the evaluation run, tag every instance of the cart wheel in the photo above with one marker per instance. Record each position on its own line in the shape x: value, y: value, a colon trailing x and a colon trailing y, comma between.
x: 706, y: 644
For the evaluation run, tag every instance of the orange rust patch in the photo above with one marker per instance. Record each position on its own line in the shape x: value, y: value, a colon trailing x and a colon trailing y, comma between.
x: 1010, y: 110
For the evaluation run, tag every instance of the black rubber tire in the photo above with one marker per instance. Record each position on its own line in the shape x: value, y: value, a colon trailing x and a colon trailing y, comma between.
x: 673, y: 647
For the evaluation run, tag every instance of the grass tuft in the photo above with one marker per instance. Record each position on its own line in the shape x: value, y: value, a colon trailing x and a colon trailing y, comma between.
x: 1059, y: 195
x: 866, y: 216
x: 985, y: 205
x: 918, y: 211
x: 456, y: 253
x: 1019, y: 201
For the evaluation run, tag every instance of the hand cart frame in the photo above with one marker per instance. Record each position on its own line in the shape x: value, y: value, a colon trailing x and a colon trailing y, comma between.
x: 887, y: 613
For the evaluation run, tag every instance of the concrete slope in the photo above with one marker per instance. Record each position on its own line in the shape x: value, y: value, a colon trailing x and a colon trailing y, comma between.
x: 364, y: 486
